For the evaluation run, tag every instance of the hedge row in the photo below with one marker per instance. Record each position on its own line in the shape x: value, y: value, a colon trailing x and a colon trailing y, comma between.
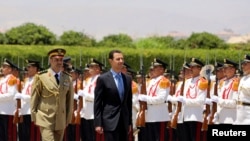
x: 82, y: 55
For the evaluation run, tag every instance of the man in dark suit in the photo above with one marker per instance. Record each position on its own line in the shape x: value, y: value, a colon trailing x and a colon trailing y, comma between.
x: 112, y: 103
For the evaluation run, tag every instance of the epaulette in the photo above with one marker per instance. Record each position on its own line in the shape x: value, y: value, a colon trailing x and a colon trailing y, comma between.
x: 42, y: 72
x: 12, y: 80
x: 164, y: 83
x: 235, y: 84
x: 67, y: 73
x: 203, y: 84
x: 134, y: 88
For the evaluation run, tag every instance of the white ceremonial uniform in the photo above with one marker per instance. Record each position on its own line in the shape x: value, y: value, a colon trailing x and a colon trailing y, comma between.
x: 227, y: 102
x: 174, y: 101
x: 157, y: 109
x: 87, y: 111
x: 243, y: 110
x: 26, y: 92
x: 7, y: 92
x: 194, y: 100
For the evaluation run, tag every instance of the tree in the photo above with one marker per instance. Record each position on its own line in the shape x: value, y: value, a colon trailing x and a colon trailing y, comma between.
x: 30, y: 34
x: 72, y: 38
x: 206, y: 41
x: 2, y: 38
x: 156, y: 42
x: 119, y: 40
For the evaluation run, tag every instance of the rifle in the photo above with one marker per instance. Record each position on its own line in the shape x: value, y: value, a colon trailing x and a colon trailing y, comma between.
x: 80, y: 104
x: 18, y: 118
x: 74, y: 105
x: 214, y: 104
x: 208, y: 69
x: 140, y: 120
x: 172, y: 87
x: 179, y: 103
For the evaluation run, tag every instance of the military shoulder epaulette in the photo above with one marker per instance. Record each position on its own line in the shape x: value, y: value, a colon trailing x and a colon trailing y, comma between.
x: 235, y: 85
x: 67, y: 73
x: 164, y: 83
x: 203, y: 84
x: 42, y: 72
x: 12, y: 80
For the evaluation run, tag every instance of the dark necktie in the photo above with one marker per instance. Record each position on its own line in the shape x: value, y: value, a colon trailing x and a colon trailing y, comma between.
x: 57, y: 79
x: 120, y: 85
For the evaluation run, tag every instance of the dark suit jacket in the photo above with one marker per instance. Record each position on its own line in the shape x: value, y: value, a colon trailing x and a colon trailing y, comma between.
x: 107, y: 104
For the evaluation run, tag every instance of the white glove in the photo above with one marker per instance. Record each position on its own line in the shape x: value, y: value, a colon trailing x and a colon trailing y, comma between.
x: 215, y: 99
x: 76, y: 96
x: 170, y: 97
x: 181, y: 99
x: 208, y: 101
x: 18, y: 96
x: 80, y: 92
x: 143, y: 97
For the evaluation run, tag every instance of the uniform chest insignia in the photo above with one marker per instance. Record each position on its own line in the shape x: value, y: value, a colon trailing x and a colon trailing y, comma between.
x: 66, y: 83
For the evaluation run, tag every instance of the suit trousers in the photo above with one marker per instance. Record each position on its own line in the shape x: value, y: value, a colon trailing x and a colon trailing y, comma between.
x: 119, y: 134
x: 51, y: 135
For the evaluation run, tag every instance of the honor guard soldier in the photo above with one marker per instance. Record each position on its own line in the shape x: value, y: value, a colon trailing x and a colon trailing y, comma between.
x: 86, y: 75
x: 87, y: 113
x: 67, y: 66
x: 195, y: 92
x: 52, y: 98
x: 135, y: 103
x: 27, y: 131
x: 8, y: 88
x: 227, y: 96
x: 216, y: 88
x: 72, y: 132
x: 178, y: 131
x: 157, y: 114
x: 243, y: 101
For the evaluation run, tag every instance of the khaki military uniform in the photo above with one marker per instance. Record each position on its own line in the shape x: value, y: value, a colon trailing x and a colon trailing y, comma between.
x: 52, y: 104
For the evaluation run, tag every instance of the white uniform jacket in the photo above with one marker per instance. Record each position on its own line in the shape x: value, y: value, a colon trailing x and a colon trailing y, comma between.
x: 194, y: 99
x: 87, y: 111
x: 227, y: 102
x: 243, y: 110
x: 157, y: 92
x: 7, y: 91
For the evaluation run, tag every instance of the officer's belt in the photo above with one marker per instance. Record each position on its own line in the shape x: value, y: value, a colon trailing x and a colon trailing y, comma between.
x: 243, y: 103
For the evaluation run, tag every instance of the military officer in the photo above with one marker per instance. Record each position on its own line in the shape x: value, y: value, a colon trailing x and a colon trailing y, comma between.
x: 52, y: 98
